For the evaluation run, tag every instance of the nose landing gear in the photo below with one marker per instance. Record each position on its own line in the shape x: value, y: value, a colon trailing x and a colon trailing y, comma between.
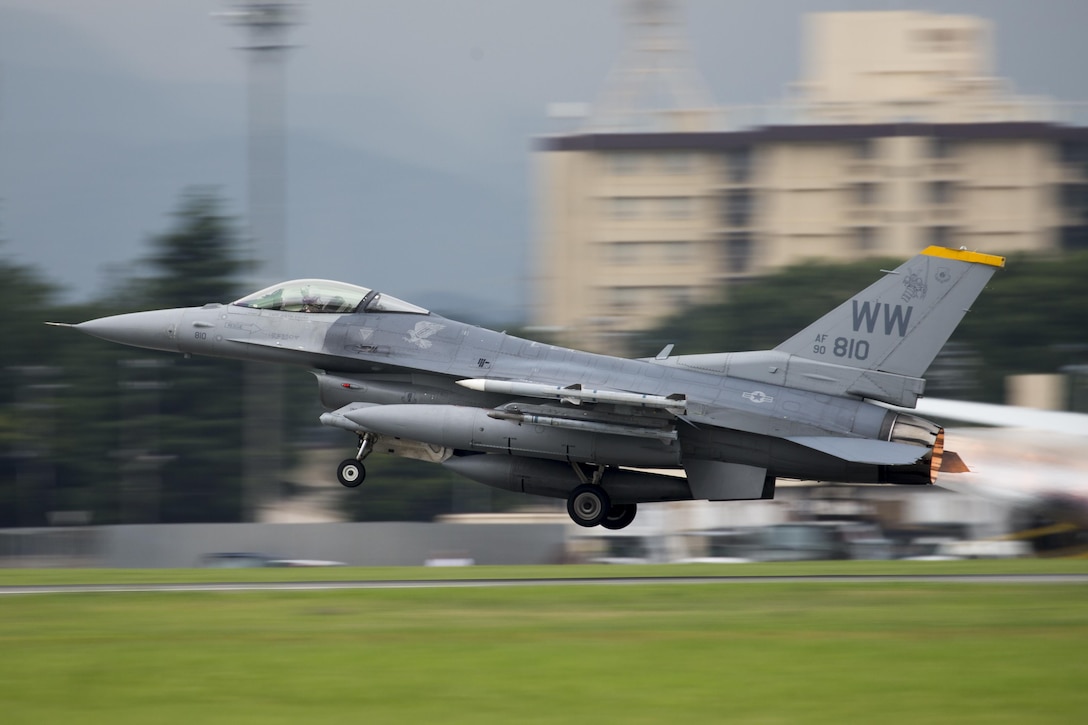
x: 351, y: 471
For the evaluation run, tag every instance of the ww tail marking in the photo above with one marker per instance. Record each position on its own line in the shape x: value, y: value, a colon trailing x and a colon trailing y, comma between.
x: 867, y: 314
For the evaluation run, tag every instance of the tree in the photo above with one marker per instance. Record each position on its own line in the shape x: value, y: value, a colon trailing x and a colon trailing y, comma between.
x: 27, y: 395
x: 199, y: 260
x: 128, y: 435
x: 181, y: 422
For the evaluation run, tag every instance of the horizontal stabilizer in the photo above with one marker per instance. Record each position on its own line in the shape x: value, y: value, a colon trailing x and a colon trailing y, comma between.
x: 864, y: 450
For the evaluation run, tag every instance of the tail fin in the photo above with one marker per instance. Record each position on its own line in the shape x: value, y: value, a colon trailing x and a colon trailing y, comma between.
x: 898, y: 324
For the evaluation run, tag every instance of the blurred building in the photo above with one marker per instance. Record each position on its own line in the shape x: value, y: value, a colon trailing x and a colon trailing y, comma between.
x: 897, y: 137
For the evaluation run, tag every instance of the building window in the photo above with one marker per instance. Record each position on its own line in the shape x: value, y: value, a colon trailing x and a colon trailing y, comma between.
x: 864, y: 148
x: 941, y: 192
x: 945, y: 40
x: 1074, y: 153
x: 738, y: 165
x: 941, y: 148
x: 1074, y: 198
x: 1074, y: 239
x: 738, y: 208
x: 623, y: 253
x: 677, y: 207
x: 677, y: 252
x: 865, y: 194
x: 677, y: 162
x: 622, y: 298
x: 624, y: 163
x: 624, y: 207
x: 737, y: 253
x: 677, y: 297
x: 940, y: 236
x: 865, y: 238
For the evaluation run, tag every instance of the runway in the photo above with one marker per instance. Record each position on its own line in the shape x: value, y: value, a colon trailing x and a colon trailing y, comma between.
x: 1019, y: 579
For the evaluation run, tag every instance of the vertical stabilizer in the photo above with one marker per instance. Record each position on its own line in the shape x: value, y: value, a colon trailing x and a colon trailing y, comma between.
x: 898, y: 324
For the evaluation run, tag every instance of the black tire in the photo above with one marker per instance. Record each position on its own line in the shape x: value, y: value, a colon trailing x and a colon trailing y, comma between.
x: 588, y: 505
x: 350, y: 472
x: 620, y: 516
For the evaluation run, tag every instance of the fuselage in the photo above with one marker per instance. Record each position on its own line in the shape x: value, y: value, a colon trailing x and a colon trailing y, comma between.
x: 414, y: 358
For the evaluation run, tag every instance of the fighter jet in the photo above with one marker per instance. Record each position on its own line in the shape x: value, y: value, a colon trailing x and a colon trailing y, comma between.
x: 552, y: 421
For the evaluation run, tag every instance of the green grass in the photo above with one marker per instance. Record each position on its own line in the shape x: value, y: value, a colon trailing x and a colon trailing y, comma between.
x: 10, y: 577
x: 772, y: 653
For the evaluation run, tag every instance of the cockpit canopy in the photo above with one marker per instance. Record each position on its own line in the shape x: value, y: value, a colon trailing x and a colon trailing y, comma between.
x: 324, y: 296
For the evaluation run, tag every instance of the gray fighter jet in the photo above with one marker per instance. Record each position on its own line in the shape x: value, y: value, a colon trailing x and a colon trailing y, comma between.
x: 551, y: 421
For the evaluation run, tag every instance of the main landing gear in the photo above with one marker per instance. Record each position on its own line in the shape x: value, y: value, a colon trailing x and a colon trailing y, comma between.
x: 589, y: 504
x: 351, y: 471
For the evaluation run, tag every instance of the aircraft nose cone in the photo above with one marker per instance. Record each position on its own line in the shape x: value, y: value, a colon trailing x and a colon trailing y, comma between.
x: 155, y: 330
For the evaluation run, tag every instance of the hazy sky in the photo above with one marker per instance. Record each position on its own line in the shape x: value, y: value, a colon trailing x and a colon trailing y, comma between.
x: 109, y: 108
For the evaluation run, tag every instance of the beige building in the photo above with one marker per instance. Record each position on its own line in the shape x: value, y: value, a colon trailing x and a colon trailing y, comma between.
x: 898, y: 138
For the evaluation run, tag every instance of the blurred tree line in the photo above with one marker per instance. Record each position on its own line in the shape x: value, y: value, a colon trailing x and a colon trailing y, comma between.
x: 135, y: 436
x: 123, y: 434
x: 1029, y: 319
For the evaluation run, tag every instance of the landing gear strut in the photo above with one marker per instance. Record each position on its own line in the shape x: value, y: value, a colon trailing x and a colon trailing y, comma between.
x: 351, y: 471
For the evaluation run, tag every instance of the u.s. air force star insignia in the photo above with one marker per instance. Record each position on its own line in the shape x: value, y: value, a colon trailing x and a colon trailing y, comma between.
x: 758, y: 396
x: 418, y: 335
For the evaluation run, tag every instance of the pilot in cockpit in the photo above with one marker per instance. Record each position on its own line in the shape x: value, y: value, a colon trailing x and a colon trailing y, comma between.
x: 325, y: 296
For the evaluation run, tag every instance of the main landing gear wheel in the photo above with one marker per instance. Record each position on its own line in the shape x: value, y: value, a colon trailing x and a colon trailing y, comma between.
x: 350, y: 472
x: 620, y: 516
x: 588, y: 505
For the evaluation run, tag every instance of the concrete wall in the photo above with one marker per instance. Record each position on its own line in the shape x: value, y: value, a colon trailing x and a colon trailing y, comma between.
x: 356, y: 544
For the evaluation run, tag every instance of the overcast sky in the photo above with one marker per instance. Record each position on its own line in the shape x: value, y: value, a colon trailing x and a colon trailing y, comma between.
x: 110, y: 108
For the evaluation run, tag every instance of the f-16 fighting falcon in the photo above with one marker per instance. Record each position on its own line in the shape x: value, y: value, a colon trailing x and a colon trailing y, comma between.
x: 551, y: 421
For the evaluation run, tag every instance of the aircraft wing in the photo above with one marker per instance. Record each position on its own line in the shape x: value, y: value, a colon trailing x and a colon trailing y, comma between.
x: 855, y: 450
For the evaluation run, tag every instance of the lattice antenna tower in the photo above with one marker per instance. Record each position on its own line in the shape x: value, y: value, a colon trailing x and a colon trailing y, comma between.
x: 655, y: 73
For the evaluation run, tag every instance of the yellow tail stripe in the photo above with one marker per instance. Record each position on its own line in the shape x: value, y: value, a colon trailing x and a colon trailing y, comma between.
x: 965, y: 256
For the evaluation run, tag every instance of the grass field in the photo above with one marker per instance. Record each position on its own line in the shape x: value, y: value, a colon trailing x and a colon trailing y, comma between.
x: 10, y: 577
x: 763, y: 653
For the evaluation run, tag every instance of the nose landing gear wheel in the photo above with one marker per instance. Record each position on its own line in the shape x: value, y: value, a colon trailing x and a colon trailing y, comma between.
x: 588, y: 505
x: 350, y: 472
x: 619, y: 516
